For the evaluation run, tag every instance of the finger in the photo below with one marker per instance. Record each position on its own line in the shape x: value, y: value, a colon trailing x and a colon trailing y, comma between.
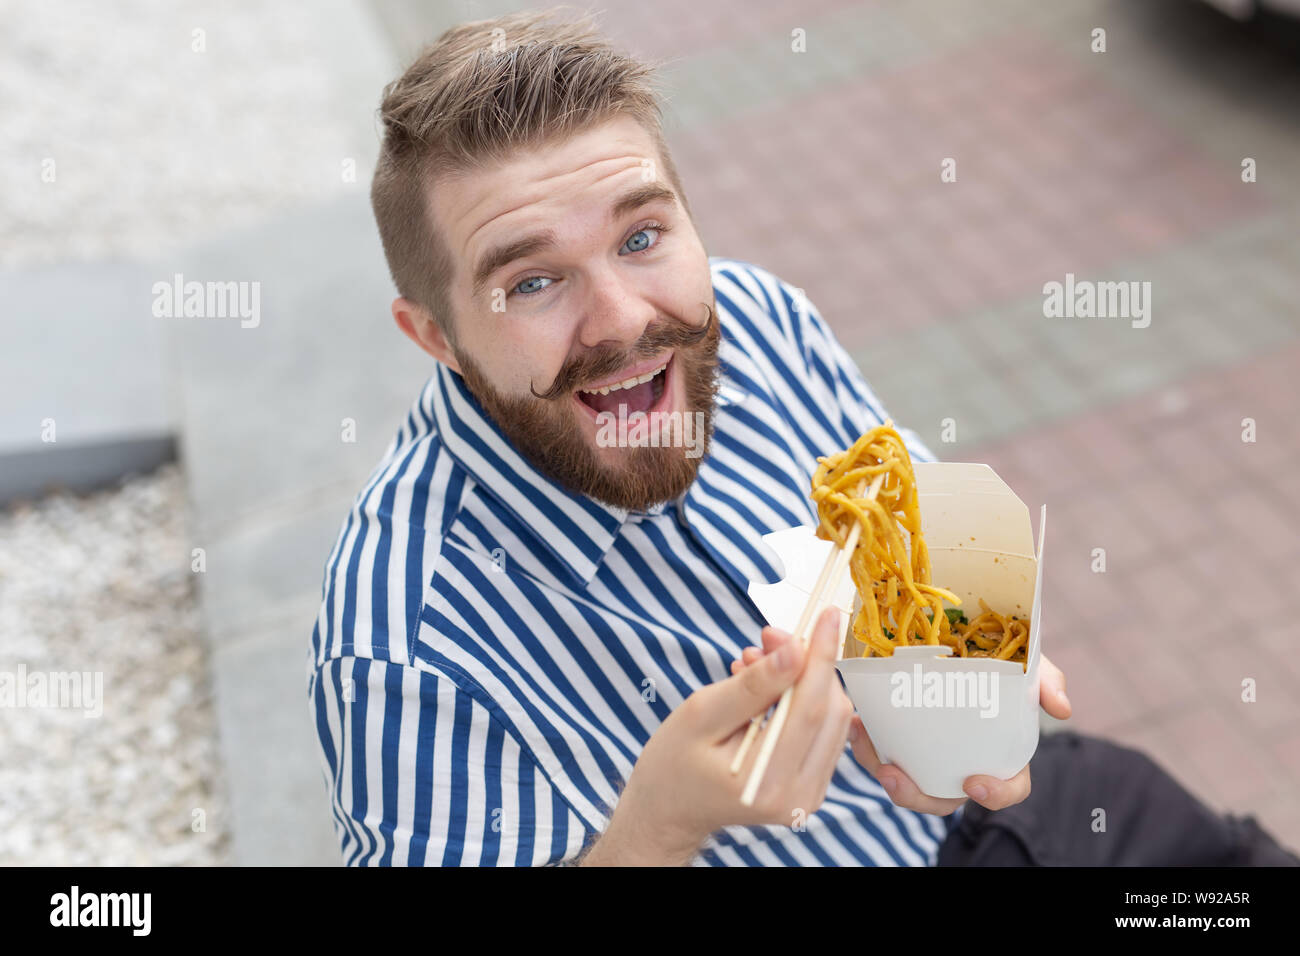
x: 747, y: 657
x: 863, y: 749
x: 905, y: 793
x: 772, y: 641
x: 997, y: 794
x: 774, y: 638
x: 722, y: 707
x: 827, y: 749
x: 1051, y: 689
x: 813, y: 705
x: 824, y: 643
x: 732, y: 742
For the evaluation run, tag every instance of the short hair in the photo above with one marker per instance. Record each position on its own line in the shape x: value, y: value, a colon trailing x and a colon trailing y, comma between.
x: 476, y: 96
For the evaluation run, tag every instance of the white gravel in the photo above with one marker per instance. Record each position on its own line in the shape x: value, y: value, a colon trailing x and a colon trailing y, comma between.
x: 127, y: 127
x: 102, y: 583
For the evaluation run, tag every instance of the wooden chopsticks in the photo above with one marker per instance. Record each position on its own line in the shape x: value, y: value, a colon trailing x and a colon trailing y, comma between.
x: 828, y: 583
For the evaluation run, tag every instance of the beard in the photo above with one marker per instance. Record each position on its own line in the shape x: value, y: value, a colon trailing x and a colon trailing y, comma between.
x: 550, y: 432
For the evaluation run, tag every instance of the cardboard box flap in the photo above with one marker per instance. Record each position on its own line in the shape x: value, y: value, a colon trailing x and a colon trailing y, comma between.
x: 1036, y: 625
x: 967, y: 506
x: 802, y: 555
x: 965, y: 476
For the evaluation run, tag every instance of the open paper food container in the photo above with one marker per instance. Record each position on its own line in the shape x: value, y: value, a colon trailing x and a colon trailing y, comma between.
x: 940, y: 718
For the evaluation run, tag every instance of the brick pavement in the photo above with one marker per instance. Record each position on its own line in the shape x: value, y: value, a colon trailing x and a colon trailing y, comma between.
x: 1202, y: 539
x: 1116, y: 166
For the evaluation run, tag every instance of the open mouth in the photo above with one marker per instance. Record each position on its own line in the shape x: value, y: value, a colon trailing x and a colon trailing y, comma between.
x: 639, y: 393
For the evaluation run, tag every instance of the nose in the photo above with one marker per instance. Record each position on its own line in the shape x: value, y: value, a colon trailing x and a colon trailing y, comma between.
x: 616, y: 315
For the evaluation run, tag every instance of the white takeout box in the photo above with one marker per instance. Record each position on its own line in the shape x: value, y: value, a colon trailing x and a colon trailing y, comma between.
x: 981, y: 546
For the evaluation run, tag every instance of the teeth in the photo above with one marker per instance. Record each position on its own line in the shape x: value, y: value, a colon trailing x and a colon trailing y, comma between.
x: 627, y: 383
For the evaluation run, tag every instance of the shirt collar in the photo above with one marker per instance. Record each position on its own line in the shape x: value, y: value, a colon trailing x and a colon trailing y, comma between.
x: 575, y: 528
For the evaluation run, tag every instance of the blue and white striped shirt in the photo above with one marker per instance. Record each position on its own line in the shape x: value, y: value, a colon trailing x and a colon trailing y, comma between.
x: 493, y: 651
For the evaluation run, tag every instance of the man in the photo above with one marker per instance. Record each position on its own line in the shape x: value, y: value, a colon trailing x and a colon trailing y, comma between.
x: 529, y: 617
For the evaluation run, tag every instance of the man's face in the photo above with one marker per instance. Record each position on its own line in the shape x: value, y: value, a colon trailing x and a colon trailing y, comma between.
x: 624, y: 293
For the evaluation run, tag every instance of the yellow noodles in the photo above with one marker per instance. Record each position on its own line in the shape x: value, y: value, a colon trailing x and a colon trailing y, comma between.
x: 900, y: 606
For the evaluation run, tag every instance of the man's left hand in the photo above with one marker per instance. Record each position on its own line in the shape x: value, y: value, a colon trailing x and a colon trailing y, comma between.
x: 987, y: 791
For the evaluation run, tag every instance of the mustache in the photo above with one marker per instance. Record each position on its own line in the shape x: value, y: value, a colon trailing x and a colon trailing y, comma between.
x: 598, y: 364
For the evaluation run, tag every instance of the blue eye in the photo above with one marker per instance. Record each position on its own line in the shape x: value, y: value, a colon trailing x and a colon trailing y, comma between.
x: 640, y: 235
x: 533, y: 291
x: 638, y: 240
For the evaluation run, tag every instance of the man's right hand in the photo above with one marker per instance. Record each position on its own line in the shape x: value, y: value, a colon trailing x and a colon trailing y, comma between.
x: 682, y: 788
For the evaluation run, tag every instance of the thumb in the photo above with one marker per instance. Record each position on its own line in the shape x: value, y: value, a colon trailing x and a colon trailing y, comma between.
x: 752, y: 691
x: 826, y: 636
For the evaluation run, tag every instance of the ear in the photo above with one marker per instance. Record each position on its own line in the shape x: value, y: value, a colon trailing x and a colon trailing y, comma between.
x: 421, y: 329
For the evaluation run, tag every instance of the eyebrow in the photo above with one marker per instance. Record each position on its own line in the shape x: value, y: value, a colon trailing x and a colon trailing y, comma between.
x: 498, y: 257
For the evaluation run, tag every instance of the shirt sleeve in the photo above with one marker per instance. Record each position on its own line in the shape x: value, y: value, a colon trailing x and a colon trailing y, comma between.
x: 420, y: 774
x: 827, y: 364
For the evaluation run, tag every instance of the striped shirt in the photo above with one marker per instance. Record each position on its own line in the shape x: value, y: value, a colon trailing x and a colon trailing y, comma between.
x: 493, y: 650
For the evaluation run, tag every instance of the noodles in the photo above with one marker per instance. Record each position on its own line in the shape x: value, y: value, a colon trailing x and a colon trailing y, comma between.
x: 899, y: 604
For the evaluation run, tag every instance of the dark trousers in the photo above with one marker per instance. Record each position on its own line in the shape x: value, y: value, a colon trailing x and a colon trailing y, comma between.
x: 1149, y: 819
